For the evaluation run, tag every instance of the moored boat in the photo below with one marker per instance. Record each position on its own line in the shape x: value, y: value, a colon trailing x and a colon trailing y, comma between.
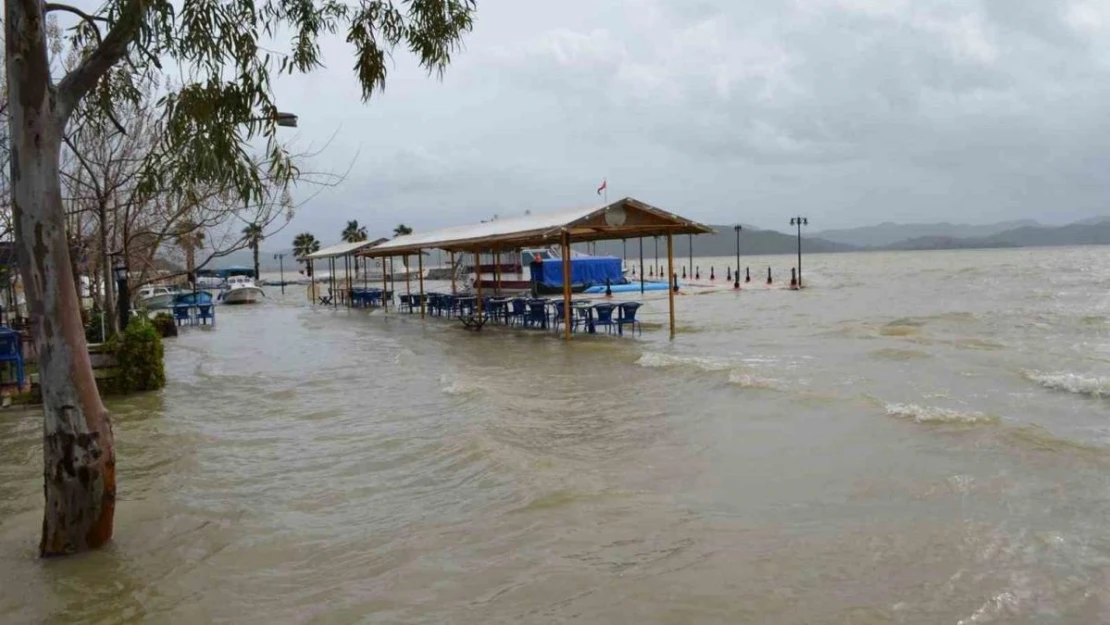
x: 152, y: 297
x: 240, y: 290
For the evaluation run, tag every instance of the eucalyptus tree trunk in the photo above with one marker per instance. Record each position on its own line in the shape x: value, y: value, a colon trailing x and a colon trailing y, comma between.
x: 78, y: 455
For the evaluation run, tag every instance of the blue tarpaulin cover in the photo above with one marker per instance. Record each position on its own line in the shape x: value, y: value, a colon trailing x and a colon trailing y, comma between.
x: 583, y: 270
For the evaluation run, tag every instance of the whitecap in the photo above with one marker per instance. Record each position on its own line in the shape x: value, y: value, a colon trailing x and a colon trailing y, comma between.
x: 659, y: 360
x: 748, y: 380
x: 935, y: 414
x: 1093, y: 386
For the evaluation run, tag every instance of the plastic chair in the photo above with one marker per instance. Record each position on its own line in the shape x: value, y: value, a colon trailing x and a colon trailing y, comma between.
x: 181, y: 315
x: 628, y: 316
x: 537, y: 314
x: 206, y: 314
x: 11, y: 352
x: 561, y: 317
x: 518, y: 310
x: 605, y: 316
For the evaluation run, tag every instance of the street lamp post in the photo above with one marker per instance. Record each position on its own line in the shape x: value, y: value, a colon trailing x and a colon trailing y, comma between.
x: 799, y: 222
x: 281, y: 267
x: 690, y: 240
x: 658, y: 269
x: 119, y: 271
x: 736, y: 274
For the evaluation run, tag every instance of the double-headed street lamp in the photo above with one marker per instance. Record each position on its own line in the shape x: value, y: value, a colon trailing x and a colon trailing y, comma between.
x: 799, y: 222
x: 286, y: 120
x: 280, y: 258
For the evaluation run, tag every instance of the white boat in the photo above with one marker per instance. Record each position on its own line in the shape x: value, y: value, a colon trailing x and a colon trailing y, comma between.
x: 155, y: 297
x: 240, y: 290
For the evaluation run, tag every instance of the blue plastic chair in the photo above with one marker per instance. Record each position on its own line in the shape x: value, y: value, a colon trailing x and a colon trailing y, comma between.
x: 605, y: 317
x: 561, y: 317
x: 518, y: 309
x: 11, y: 352
x: 181, y: 315
x: 206, y: 314
x: 628, y: 316
x: 537, y: 314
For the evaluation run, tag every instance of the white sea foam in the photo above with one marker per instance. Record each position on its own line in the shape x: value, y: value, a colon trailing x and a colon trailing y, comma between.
x: 748, y: 380
x: 1093, y: 386
x: 657, y: 360
x: 455, y: 386
x: 934, y: 414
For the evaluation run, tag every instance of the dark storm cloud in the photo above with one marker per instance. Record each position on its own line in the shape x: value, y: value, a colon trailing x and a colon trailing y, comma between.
x: 853, y: 111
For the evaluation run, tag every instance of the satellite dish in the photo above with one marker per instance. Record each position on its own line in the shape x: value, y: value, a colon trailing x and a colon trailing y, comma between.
x: 615, y: 216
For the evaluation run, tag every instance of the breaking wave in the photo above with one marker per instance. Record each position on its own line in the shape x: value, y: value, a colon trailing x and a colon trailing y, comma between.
x: 934, y: 414
x: 748, y: 380
x: 658, y: 360
x: 1092, y: 386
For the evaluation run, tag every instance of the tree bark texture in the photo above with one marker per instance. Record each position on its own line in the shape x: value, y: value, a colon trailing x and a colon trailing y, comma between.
x: 78, y: 454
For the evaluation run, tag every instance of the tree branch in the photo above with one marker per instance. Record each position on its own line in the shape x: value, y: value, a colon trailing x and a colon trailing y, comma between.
x: 90, y: 19
x: 54, y: 6
x: 82, y: 78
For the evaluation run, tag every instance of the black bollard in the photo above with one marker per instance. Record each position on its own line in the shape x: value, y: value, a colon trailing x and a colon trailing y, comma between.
x: 683, y: 273
x: 728, y: 275
x: 651, y: 272
x: 736, y: 280
x: 768, y: 275
x: 711, y: 276
x: 697, y: 273
x: 793, y: 278
x: 608, y: 288
x: 675, y: 277
x: 633, y: 271
x: 747, y: 274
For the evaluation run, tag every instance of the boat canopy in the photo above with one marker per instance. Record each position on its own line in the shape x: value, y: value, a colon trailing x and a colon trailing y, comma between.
x: 586, y: 270
x: 226, y: 272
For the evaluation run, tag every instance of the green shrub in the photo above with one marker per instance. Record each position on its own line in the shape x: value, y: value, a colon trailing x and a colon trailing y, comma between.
x: 164, y: 323
x: 139, y: 358
x: 94, y: 329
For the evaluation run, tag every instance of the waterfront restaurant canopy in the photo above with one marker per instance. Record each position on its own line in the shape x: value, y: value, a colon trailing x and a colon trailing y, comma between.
x: 342, y: 249
x: 624, y: 219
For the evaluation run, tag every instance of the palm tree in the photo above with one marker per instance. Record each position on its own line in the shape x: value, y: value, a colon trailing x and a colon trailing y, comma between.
x: 401, y: 230
x: 253, y: 235
x: 305, y: 244
x: 354, y: 233
x: 189, y: 238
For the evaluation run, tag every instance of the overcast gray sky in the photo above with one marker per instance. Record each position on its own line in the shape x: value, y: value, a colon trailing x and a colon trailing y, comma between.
x: 850, y: 112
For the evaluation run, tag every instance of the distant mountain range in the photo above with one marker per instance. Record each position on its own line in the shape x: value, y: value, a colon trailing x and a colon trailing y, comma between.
x: 886, y: 236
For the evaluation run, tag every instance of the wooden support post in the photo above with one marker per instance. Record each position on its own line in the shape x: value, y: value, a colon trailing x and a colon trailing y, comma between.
x: 670, y: 276
x: 420, y: 276
x: 408, y: 282
x: 385, y: 285
x: 497, y: 272
x: 347, y: 274
x: 478, y: 284
x: 334, y: 299
x: 567, y: 312
x: 452, y: 272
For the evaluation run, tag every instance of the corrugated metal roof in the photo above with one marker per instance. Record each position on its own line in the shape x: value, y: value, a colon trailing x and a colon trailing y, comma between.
x: 539, y: 228
x: 494, y: 228
x: 343, y: 249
